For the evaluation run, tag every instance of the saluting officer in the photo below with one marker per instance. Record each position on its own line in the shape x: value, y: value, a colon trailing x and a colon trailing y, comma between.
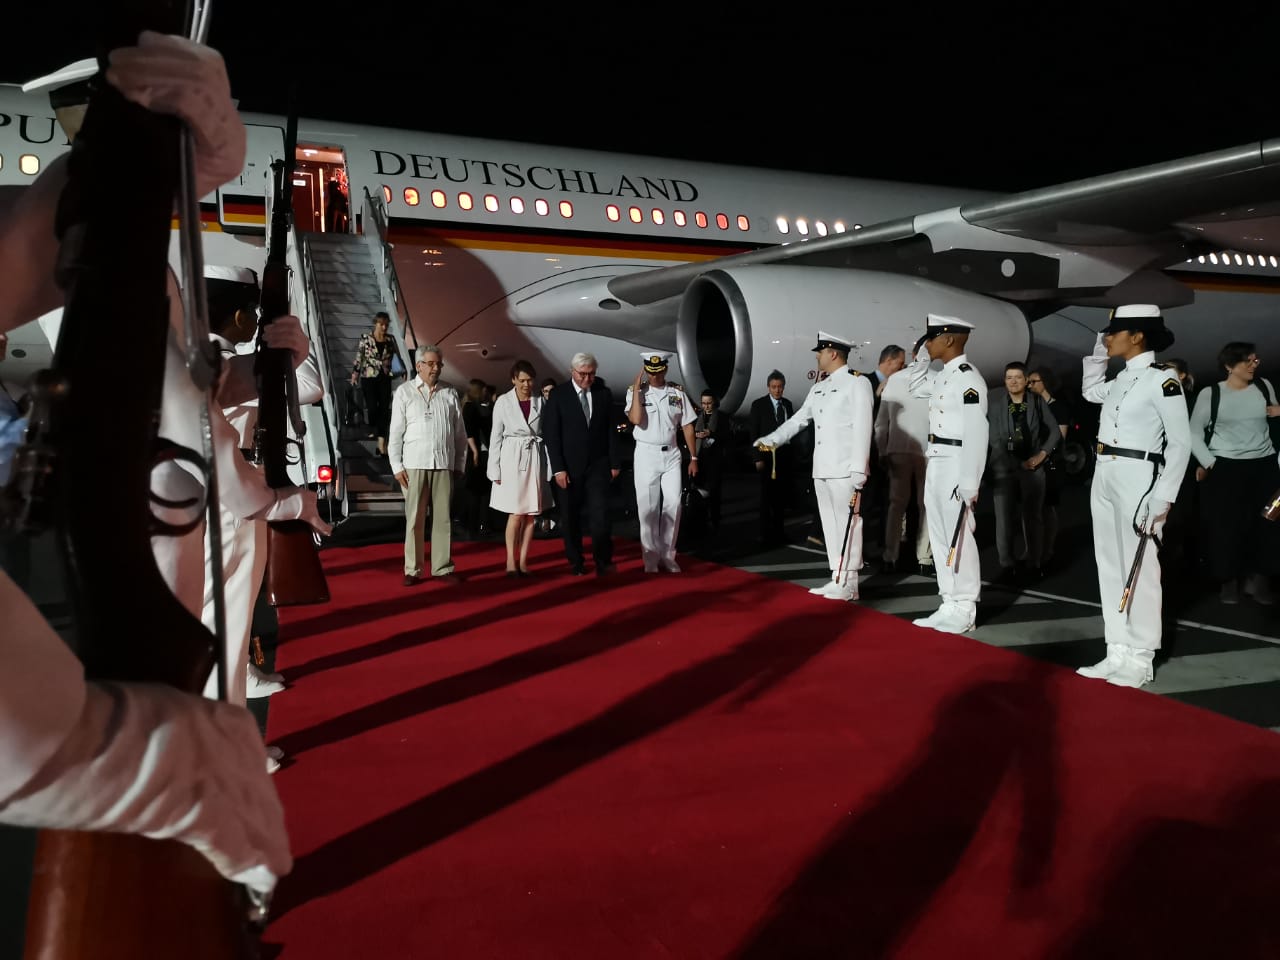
x: 658, y: 409
x: 840, y: 409
x: 1144, y: 442
x: 957, y: 455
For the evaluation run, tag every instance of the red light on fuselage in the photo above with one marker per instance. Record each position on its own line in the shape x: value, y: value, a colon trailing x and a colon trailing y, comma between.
x: 324, y: 473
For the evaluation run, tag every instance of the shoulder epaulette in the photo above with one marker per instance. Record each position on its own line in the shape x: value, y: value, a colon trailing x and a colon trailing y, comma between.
x: 856, y: 373
x: 965, y: 368
x: 674, y: 386
x: 1161, y: 366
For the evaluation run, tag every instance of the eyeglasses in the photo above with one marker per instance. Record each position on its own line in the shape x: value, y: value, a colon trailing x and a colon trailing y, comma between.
x: 1035, y: 381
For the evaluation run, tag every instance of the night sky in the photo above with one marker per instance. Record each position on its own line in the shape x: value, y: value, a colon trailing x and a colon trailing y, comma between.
x: 999, y: 97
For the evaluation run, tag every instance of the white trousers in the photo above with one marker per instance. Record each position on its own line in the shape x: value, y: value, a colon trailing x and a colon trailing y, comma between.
x: 961, y: 583
x: 906, y: 480
x: 244, y: 562
x: 179, y: 559
x: 657, y: 500
x: 833, y: 509
x: 1118, y: 487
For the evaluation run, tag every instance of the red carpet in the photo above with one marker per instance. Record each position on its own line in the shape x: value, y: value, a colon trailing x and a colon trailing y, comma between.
x: 717, y: 764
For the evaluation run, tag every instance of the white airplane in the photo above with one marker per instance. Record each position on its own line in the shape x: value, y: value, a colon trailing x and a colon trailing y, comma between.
x: 501, y: 251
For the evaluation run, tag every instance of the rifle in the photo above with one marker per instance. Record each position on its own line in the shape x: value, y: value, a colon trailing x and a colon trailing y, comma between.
x: 294, y: 575
x: 94, y: 441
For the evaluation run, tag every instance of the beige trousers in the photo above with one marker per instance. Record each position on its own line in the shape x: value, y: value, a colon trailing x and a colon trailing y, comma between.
x: 438, y: 486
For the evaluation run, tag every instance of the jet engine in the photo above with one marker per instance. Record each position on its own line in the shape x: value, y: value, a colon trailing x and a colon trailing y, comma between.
x: 735, y: 326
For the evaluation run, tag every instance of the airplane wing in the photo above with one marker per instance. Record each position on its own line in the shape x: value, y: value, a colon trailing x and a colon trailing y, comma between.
x: 1096, y: 242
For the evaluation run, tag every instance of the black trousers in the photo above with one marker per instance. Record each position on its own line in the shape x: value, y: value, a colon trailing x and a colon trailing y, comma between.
x: 591, y: 490
x: 377, y: 403
x: 1235, y: 539
x: 773, y: 502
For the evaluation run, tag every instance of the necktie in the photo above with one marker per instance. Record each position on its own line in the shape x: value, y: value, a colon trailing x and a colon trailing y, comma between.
x: 781, y: 412
x: 586, y: 410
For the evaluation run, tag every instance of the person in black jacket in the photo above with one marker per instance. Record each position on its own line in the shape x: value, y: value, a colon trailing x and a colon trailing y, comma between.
x: 581, y: 440
x: 775, y: 469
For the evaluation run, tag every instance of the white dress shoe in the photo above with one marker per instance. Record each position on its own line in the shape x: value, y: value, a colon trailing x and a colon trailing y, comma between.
x: 272, y: 765
x: 670, y: 565
x: 1104, y: 668
x: 932, y: 618
x: 1135, y: 670
x: 257, y: 671
x: 821, y: 589
x: 274, y: 752
x: 255, y: 688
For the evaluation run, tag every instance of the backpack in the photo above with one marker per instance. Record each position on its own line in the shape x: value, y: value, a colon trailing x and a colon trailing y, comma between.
x: 1215, y: 396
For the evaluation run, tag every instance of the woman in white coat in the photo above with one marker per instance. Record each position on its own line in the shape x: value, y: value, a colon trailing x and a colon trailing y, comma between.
x: 518, y: 464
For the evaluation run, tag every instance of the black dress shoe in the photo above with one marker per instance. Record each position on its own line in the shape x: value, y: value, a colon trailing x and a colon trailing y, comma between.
x: 411, y: 581
x: 577, y: 572
x: 524, y: 573
x: 606, y: 569
x: 513, y: 574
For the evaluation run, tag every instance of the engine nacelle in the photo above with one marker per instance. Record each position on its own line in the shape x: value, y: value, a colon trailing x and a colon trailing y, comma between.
x: 738, y: 325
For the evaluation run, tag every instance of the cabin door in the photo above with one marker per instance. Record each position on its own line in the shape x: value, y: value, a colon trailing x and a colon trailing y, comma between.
x: 321, y: 191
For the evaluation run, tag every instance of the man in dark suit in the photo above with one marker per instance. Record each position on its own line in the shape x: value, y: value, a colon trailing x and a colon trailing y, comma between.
x: 767, y: 413
x: 579, y: 432
x: 875, y: 494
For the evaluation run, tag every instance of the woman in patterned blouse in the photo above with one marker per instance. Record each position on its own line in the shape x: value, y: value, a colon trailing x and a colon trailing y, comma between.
x: 372, y: 371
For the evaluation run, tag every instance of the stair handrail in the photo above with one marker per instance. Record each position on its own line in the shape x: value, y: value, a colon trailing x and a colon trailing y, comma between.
x: 376, y: 212
x: 333, y: 411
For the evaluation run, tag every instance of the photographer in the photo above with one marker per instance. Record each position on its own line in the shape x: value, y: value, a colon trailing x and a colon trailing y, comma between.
x: 1023, y: 434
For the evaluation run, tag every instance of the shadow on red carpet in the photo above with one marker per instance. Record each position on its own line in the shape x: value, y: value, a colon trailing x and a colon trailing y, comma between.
x: 715, y: 764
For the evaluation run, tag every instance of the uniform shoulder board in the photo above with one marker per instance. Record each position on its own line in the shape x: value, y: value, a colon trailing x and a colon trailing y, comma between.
x: 1160, y: 366
x: 965, y: 368
x: 971, y: 396
x: 1172, y: 387
x: 856, y: 373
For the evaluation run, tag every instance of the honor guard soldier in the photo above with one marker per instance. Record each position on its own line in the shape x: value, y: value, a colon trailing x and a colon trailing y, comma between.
x: 658, y: 410
x: 956, y: 453
x: 1144, y: 443
x: 840, y: 409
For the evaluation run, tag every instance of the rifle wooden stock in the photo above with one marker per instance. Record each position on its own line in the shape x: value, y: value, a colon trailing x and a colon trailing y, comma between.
x: 112, y: 896
x: 100, y: 896
x: 294, y: 575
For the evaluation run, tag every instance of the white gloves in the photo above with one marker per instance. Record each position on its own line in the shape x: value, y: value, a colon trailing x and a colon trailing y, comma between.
x: 172, y: 75
x: 1100, y: 348
x: 922, y: 355
x: 1157, y: 513
x: 286, y: 333
x: 295, y: 503
x: 152, y: 760
x: 968, y: 496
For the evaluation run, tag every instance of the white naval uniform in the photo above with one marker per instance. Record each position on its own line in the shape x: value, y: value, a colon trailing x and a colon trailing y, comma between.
x: 667, y: 409
x: 957, y: 412
x: 840, y: 409
x: 244, y: 541
x: 1143, y: 411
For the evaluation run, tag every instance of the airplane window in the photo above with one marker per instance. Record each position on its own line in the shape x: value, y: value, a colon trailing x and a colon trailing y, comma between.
x: 566, y: 209
x: 658, y: 216
x: 1, y: 161
x: 722, y: 221
x: 1273, y: 261
x: 839, y: 226
x: 679, y: 218
x: 1249, y: 258
x: 29, y: 164
x: 700, y: 219
x: 517, y: 205
x: 802, y: 226
x: 857, y: 226
x: 820, y: 227
x: 1213, y: 258
x: 464, y: 201
x: 743, y: 222
x: 1201, y: 259
x: 540, y: 207
x: 1239, y: 262
x: 411, y: 196
x: 635, y: 214
x: 438, y: 199
x: 783, y: 226
x: 491, y: 203
x: 611, y: 211
x: 386, y: 193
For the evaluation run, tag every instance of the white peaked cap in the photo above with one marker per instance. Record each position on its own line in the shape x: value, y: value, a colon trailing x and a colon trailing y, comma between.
x: 71, y: 73
x: 941, y: 324
x: 234, y: 274
x: 655, y: 358
x: 1136, y: 310
x: 833, y: 340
